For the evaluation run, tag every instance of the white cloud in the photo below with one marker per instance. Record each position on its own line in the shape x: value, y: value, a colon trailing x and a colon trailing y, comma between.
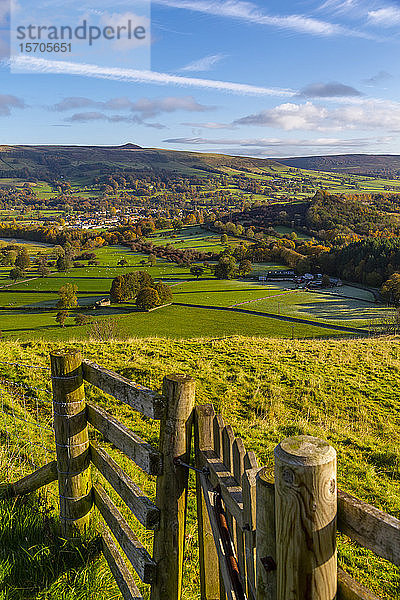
x: 90, y: 117
x: 204, y: 64
x: 288, y: 116
x: 339, y: 6
x: 146, y: 107
x: 210, y: 125
x: 385, y: 17
x: 274, y: 142
x: 280, y: 147
x: 251, y: 13
x: 367, y: 115
x: 41, y: 65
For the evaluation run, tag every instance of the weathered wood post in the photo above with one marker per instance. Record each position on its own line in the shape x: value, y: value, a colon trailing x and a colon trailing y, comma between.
x: 172, y: 486
x: 208, y: 556
x: 72, y: 442
x: 305, y: 515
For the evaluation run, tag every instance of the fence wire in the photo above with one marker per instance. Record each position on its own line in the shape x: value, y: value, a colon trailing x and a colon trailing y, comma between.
x: 26, y: 416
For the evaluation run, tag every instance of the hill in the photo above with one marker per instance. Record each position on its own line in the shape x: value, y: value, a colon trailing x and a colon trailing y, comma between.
x: 44, y: 162
x: 358, y: 164
x: 342, y: 390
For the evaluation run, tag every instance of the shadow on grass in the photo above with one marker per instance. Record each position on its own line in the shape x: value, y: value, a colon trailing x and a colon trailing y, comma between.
x: 32, y: 556
x: 340, y: 310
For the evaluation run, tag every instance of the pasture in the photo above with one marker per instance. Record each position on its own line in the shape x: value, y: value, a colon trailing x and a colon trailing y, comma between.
x: 28, y: 307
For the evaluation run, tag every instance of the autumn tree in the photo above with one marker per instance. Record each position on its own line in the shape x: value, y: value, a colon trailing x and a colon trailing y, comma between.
x: 68, y: 297
x: 63, y: 263
x: 164, y: 292
x: 152, y: 260
x: 23, y: 260
x: 226, y: 268
x: 197, y: 271
x: 147, y: 298
x: 16, y: 273
x: 61, y: 317
x: 245, y: 267
x: 391, y: 290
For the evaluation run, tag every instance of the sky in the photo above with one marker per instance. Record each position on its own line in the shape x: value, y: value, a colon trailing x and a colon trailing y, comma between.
x: 257, y: 78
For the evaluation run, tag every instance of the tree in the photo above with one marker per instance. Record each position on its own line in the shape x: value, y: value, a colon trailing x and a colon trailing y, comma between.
x: 226, y: 268
x: 224, y: 239
x: 58, y: 251
x: 177, y: 224
x: 16, y: 273
x: 68, y: 298
x: 126, y: 287
x: 245, y: 267
x: 43, y: 270
x: 23, y: 261
x: 197, y: 271
x: 164, y: 292
x: 122, y: 263
x: 147, y: 298
x: 391, y: 289
x: 9, y: 259
x: 61, y: 317
x: 250, y: 232
x: 152, y: 260
x: 63, y: 263
x: 117, y: 292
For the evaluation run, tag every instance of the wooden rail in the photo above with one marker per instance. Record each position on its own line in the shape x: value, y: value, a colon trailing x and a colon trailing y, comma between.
x: 149, y: 403
x: 118, y: 568
x: 30, y: 483
x: 370, y: 527
x: 143, y: 508
x: 138, y: 556
x: 142, y: 453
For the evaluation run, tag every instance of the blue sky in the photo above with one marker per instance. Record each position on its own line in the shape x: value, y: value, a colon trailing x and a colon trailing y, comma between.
x: 260, y: 78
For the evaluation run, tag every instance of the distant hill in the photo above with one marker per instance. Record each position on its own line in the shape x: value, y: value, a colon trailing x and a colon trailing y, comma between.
x: 44, y: 162
x: 357, y: 164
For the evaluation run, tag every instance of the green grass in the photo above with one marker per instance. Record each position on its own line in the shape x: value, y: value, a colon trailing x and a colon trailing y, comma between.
x: 342, y: 390
x: 95, y: 282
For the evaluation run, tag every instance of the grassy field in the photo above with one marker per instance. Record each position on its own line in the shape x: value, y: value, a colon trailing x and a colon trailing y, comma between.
x: 34, y: 294
x: 342, y: 390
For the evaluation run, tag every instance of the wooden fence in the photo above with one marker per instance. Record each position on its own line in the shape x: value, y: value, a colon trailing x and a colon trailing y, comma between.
x: 259, y: 539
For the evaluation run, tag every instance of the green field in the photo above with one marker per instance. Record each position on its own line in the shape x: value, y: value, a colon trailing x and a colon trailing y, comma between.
x: 35, y: 294
x: 267, y: 389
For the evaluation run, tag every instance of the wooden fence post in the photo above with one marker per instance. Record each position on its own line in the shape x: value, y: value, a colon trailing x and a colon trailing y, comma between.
x: 208, y: 556
x: 172, y: 486
x: 72, y: 443
x: 306, y: 512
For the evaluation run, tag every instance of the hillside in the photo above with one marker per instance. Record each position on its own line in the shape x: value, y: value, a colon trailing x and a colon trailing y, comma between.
x: 342, y: 390
x: 358, y: 164
x: 43, y: 162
